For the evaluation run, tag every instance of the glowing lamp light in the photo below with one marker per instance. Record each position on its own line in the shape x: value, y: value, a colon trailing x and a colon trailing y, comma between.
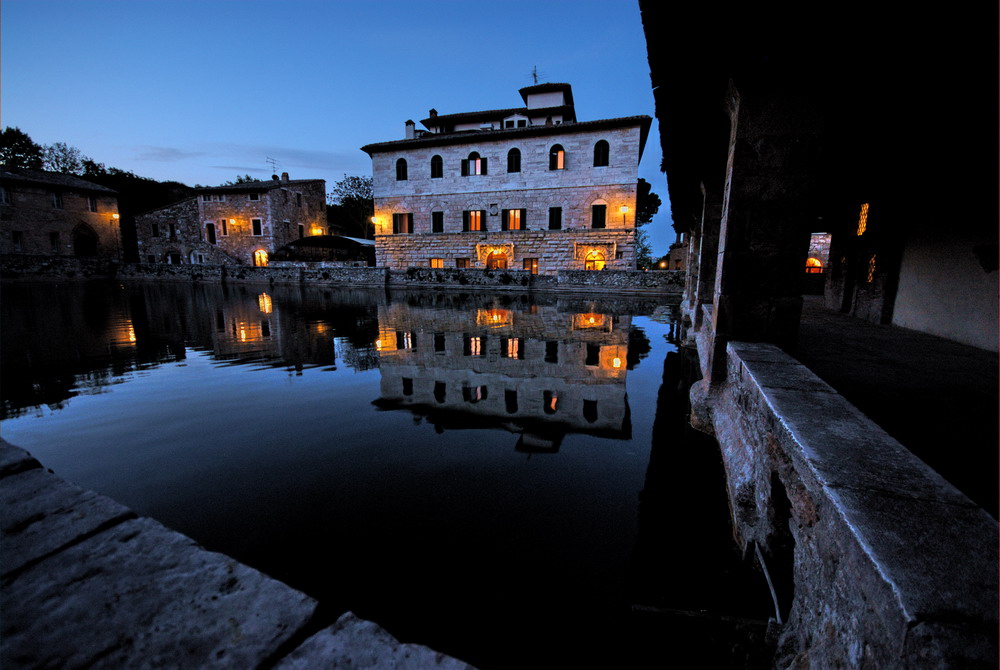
x: 624, y: 209
x: 232, y: 222
x: 663, y: 264
x: 115, y: 217
x: 616, y: 362
x: 378, y: 344
x: 374, y: 219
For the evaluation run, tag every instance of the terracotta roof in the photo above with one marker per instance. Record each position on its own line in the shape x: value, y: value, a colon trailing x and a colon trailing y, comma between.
x: 479, y: 136
x: 55, y: 180
x: 252, y: 186
x: 495, y: 114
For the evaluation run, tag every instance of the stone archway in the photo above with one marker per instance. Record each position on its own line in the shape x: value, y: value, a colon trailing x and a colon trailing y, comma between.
x: 496, y: 261
x: 85, y: 241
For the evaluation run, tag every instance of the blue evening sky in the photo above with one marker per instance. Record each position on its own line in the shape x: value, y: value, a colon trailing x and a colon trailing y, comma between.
x: 201, y: 91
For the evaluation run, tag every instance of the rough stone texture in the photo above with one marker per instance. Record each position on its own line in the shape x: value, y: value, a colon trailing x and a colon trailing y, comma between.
x: 141, y: 596
x: 671, y: 282
x: 33, y: 267
x: 884, y: 548
x: 173, y: 235
x: 14, y: 460
x: 39, y: 513
x: 355, y: 643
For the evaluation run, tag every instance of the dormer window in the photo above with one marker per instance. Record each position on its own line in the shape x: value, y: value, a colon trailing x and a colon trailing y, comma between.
x: 515, y: 122
x: 473, y: 165
x: 557, y: 158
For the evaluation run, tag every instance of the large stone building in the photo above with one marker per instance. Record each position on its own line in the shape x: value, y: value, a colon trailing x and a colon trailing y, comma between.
x: 236, y: 224
x: 527, y: 188
x: 54, y: 214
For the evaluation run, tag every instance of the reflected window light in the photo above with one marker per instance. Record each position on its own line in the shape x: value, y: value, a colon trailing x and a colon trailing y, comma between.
x: 264, y: 303
x: 550, y: 402
x: 131, y: 334
x: 863, y: 220
x: 871, y: 270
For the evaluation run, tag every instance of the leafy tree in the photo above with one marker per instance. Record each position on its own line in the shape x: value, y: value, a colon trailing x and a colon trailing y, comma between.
x: 17, y: 149
x: 352, y: 205
x: 240, y: 179
x: 60, y: 157
x: 647, y: 205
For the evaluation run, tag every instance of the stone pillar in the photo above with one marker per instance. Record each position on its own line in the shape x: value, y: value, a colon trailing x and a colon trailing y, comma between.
x: 768, y: 207
x: 711, y: 221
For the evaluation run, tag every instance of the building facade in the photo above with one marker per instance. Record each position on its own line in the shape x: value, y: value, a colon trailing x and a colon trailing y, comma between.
x: 237, y: 224
x: 53, y: 214
x: 525, y: 188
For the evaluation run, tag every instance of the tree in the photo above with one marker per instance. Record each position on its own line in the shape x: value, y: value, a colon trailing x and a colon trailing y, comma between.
x: 352, y: 205
x: 647, y: 205
x: 240, y: 179
x: 17, y: 149
x: 60, y: 157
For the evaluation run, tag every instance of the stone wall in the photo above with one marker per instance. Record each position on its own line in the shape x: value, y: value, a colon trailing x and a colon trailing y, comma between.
x: 174, y: 234
x: 35, y: 267
x: 877, y: 561
x: 30, y: 225
x: 612, y: 280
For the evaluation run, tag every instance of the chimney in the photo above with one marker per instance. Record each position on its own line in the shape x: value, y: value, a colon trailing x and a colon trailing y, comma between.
x: 411, y: 128
x: 432, y: 113
x: 284, y: 177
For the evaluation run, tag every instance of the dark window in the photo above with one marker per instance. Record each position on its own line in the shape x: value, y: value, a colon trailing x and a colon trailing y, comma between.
x: 474, y: 394
x: 156, y: 229
x: 557, y: 158
x: 598, y: 216
x: 514, y: 160
x: 210, y: 233
x: 256, y: 228
x: 440, y: 391
x: 555, y: 218
x: 57, y: 201
x: 402, y: 223
x: 401, y: 169
x: 298, y: 199
x: 601, y: 154
x: 510, y: 400
x: 302, y: 231
x: 265, y: 328
x: 462, y: 263
x: 593, y: 355
x: 437, y: 222
x: 173, y: 230
x: 5, y: 198
x: 150, y: 258
x: 17, y: 237
x: 91, y: 203
x: 253, y: 196
x: 54, y: 242
x: 590, y: 410
x: 437, y: 167
x: 407, y: 386
x: 551, y: 352
x: 439, y: 342
x: 224, y: 226
x: 522, y: 123
x: 508, y: 124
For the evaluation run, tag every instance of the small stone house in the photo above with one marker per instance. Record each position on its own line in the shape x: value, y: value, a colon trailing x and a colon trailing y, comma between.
x: 236, y: 224
x: 53, y: 214
x: 528, y: 188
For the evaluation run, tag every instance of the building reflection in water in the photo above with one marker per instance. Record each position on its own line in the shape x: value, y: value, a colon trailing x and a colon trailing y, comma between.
x: 538, y: 372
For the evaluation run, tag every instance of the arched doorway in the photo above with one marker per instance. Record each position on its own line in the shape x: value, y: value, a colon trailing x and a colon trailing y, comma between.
x: 814, y: 265
x: 260, y: 258
x: 497, y: 260
x: 594, y: 261
x: 84, y: 241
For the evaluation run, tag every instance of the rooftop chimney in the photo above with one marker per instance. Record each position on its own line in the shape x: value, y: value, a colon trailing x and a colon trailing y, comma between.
x: 432, y: 113
x: 411, y: 128
x: 284, y: 177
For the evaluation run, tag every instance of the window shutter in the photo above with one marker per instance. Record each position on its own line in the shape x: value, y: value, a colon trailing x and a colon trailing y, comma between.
x: 465, y: 167
x: 395, y: 224
x: 524, y: 219
x: 465, y: 218
x: 482, y: 219
x: 482, y: 162
x: 409, y: 222
x: 504, y: 213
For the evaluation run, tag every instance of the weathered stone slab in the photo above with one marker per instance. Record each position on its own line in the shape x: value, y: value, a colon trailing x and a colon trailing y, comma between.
x: 14, y: 460
x: 141, y: 596
x: 39, y: 513
x: 362, y: 645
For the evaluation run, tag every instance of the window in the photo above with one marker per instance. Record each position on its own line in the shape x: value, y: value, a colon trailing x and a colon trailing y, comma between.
x: 57, y: 200
x: 513, y: 219
x: 253, y: 196
x: 551, y: 352
x: 213, y: 197
x: 439, y: 343
x: 173, y: 230
x: 473, y: 165
x: 557, y: 158
x: 255, y: 228
x: 440, y: 391
x: 5, y: 198
x: 522, y: 123
x: 512, y: 347
x: 473, y: 345
x: 474, y: 220
x: 302, y: 231
x: 155, y: 229
x: 598, y: 216
x: 601, y: 152
x: 437, y: 222
x: 437, y: 262
x: 407, y: 386
x: 474, y: 394
x: 92, y: 203
x: 555, y: 218
x: 514, y: 160
x: 260, y: 258
x: 298, y: 199
x: 863, y: 220
x: 871, y: 270
x: 593, y: 355
x: 510, y: 400
x: 594, y: 261
x: 224, y: 226
x: 402, y: 223
x: 508, y: 124
x: 531, y: 265
x: 54, y: 242
x: 550, y: 402
x: 814, y: 266
x: 462, y: 263
x: 150, y: 258
x: 590, y: 410
x: 437, y: 167
x: 496, y: 261
x: 401, y: 169
x: 405, y: 339
x: 17, y: 238
x: 210, y: 233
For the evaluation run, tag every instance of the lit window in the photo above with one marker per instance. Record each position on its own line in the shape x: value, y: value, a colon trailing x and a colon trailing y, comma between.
x: 814, y: 266
x: 601, y: 154
x: 473, y: 165
x: 512, y: 347
x: 256, y: 228
x: 473, y: 220
x: 594, y: 261
x: 557, y: 158
x: 405, y: 340
x: 497, y: 260
x: 863, y: 220
x: 402, y: 223
x: 437, y: 167
x: 437, y: 262
x: 473, y: 346
x: 401, y: 169
x: 513, y: 219
x: 260, y: 258
x: 514, y: 160
x: 531, y: 265
x: 871, y: 269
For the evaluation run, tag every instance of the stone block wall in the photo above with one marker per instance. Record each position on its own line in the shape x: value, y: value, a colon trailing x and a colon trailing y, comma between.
x: 669, y: 281
x: 174, y: 234
x: 30, y: 224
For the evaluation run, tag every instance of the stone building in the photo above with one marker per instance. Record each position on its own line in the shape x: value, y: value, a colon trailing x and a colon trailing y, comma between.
x: 237, y: 224
x: 528, y: 188
x: 54, y: 214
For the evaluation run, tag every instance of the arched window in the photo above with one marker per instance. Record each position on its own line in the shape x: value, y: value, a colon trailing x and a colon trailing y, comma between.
x: 437, y: 167
x: 814, y: 265
x: 474, y: 164
x: 497, y: 260
x: 514, y: 160
x: 594, y: 261
x: 401, y: 169
x: 601, y: 151
x: 557, y: 158
x: 260, y: 258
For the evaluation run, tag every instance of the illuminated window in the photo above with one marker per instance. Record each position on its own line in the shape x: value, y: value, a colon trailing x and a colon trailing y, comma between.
x: 437, y: 262
x: 598, y: 216
x: 550, y: 402
x: 555, y: 218
x: 253, y: 196
x: 405, y: 340
x: 871, y: 269
x: 473, y: 165
x: 401, y: 169
x: 474, y: 220
x: 210, y: 233
x: 437, y: 167
x: 601, y: 151
x: 863, y: 220
x: 512, y: 347
x: 91, y: 203
x: 496, y: 261
x: 513, y: 219
x: 474, y: 394
x: 557, y: 158
x: 473, y: 345
x: 814, y: 266
x: 260, y: 258
x: 437, y: 222
x: 57, y: 200
x: 264, y: 303
x: 531, y: 265
x: 594, y: 261
x: 514, y: 160
x: 510, y: 401
x: 255, y: 227
x: 402, y: 223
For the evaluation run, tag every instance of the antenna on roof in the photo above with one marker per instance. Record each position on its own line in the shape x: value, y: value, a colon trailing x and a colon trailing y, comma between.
x: 273, y: 163
x: 535, y: 74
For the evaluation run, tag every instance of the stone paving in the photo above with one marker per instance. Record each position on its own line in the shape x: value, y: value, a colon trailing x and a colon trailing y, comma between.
x: 87, y: 583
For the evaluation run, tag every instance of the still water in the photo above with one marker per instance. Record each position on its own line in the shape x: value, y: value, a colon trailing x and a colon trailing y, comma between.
x: 473, y: 472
